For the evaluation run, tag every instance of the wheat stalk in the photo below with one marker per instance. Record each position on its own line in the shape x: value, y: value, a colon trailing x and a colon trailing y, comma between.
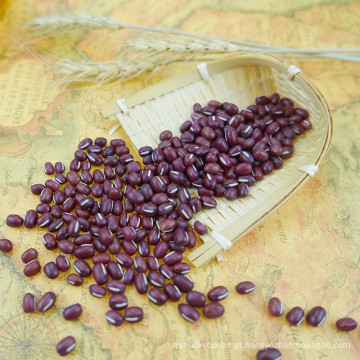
x: 57, y: 23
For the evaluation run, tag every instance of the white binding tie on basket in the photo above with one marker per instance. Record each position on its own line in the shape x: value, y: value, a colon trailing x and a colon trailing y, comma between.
x: 292, y: 71
x: 310, y: 169
x: 225, y: 243
x: 122, y: 105
x: 203, y: 71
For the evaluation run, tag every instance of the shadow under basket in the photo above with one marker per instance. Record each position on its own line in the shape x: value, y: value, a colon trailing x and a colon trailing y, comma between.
x: 237, y: 79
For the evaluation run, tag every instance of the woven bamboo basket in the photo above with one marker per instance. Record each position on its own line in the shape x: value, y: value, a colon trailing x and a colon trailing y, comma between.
x: 238, y: 79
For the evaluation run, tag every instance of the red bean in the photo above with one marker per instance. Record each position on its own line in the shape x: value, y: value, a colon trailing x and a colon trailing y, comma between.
x: 118, y: 302
x: 268, y: 354
x: 156, y: 279
x: 97, y: 291
x: 173, y: 292
x: 275, y: 307
x: 116, y: 287
x: 189, y: 313
x: 29, y: 303
x: 184, y: 283
x: 157, y: 296
x: 245, y: 287
x: 62, y: 263
x: 346, y: 324
x: 46, y: 302
x: 181, y: 268
x: 173, y: 258
x: 114, y: 317
x: 72, y: 311
x: 129, y: 276
x: 74, y: 279
x: 36, y: 189
x: 217, y: 293
x: 196, y: 298
x: 100, y: 274
x: 141, y: 283
x: 51, y: 270
x: 28, y: 255
x: 133, y: 314
x: 295, y: 316
x: 316, y: 316
x: 30, y: 219
x: 66, y: 346
x: 213, y: 310
x: 14, y: 220
x: 49, y: 168
x: 6, y: 246
x: 82, y: 268
x: 32, y: 268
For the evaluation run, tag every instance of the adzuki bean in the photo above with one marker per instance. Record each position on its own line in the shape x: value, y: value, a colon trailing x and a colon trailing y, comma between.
x: 66, y: 346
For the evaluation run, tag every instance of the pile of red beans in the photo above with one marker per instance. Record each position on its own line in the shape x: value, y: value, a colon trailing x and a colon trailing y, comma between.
x: 127, y: 224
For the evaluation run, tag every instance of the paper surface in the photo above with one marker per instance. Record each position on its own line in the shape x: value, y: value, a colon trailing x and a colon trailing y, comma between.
x: 306, y: 254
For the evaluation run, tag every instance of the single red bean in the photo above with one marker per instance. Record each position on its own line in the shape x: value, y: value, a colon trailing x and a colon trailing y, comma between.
x: 213, y: 310
x: 218, y: 293
x: 85, y: 251
x: 184, y: 283
x: 189, y: 313
x: 316, y: 316
x: 32, y: 268
x: 51, y: 270
x: 62, y: 263
x: 6, y: 246
x: 129, y: 276
x: 116, y: 287
x: 28, y: 255
x: 74, y: 279
x: 245, y: 287
x: 196, y: 298
x: 118, y: 302
x: 268, y: 354
x: 134, y: 314
x: 97, y: 290
x: 141, y: 283
x: 100, y: 274
x: 49, y: 168
x: 29, y: 303
x: 166, y: 272
x: 200, y: 228
x: 14, y: 220
x: 295, y: 316
x: 275, y: 307
x: 72, y: 311
x: 114, y: 317
x: 30, y: 219
x: 46, y: 302
x: 82, y: 268
x: 66, y: 346
x: 173, y: 258
x: 36, y: 189
x: 157, y: 296
x: 346, y: 324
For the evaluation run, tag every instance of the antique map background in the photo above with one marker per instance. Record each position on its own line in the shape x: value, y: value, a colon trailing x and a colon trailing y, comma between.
x: 307, y: 253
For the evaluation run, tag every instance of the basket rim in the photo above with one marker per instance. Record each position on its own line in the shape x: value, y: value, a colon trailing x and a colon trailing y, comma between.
x: 197, y: 256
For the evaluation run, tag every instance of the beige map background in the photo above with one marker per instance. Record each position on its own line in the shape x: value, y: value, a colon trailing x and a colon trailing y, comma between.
x: 307, y: 253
